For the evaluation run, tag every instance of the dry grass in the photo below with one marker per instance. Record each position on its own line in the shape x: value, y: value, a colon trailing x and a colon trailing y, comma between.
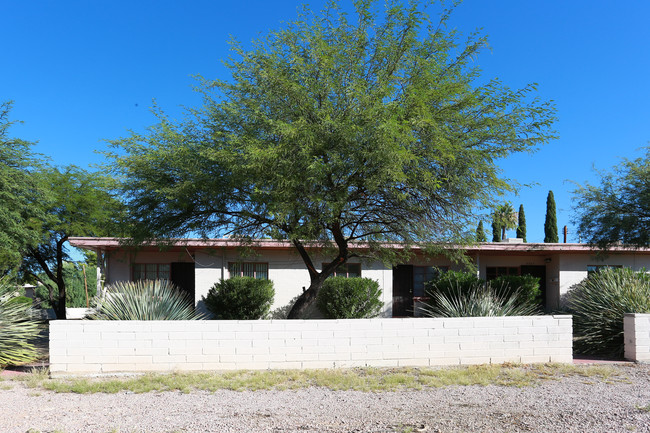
x: 358, y: 379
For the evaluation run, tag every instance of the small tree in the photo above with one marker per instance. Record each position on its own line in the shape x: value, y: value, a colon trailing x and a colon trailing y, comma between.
x: 505, y: 218
x: 617, y: 209
x: 78, y: 203
x: 480, y: 233
x: 521, y: 226
x: 20, y: 196
x: 550, y: 224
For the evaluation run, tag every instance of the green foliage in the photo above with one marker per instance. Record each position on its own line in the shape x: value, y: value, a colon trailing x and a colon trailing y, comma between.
x: 463, y: 294
x: 144, y: 300
x: 617, y: 209
x: 480, y: 233
x: 496, y: 232
x: 521, y: 224
x: 79, y: 203
x: 75, y: 293
x: 369, y: 127
x: 451, y: 282
x: 18, y: 327
x: 504, y: 218
x: 598, y: 305
x: 20, y: 195
x: 526, y: 286
x: 350, y: 298
x: 550, y: 224
x: 479, y: 301
x: 240, y: 298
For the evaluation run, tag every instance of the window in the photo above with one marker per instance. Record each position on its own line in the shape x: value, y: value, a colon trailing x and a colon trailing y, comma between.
x: 347, y: 270
x: 259, y: 271
x: 151, y: 271
x: 597, y: 268
x: 492, y: 272
x: 423, y: 274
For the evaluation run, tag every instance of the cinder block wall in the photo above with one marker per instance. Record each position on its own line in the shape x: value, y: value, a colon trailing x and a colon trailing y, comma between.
x: 95, y: 347
x: 636, y: 328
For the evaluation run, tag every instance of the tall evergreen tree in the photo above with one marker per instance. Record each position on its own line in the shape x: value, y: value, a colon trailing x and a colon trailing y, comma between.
x: 496, y: 232
x: 521, y: 227
x: 550, y: 225
x: 480, y: 233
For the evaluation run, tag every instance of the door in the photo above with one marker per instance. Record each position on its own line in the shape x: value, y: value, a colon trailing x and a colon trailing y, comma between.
x: 183, y: 277
x: 538, y: 272
x: 403, y: 291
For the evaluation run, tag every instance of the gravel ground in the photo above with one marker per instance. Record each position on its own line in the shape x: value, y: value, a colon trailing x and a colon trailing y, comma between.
x: 574, y: 404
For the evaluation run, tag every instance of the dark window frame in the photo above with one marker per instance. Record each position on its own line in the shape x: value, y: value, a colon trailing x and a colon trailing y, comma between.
x: 241, y: 271
x: 143, y: 272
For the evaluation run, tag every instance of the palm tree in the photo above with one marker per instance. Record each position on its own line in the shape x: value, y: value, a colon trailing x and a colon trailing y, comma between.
x: 505, y: 218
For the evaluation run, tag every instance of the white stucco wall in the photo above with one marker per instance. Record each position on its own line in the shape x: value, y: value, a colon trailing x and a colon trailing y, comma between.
x: 107, y: 347
x: 286, y: 270
x: 573, y: 267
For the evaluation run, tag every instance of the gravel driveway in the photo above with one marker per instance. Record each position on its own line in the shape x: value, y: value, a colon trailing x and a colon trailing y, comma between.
x: 572, y: 404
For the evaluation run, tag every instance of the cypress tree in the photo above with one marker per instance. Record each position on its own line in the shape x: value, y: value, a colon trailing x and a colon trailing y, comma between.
x: 550, y: 225
x: 480, y: 233
x: 496, y: 232
x: 521, y: 227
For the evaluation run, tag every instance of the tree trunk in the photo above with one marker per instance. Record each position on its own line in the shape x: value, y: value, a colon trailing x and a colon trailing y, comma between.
x: 305, y: 300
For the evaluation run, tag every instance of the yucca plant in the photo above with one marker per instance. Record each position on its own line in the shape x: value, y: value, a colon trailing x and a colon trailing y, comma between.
x: 144, y: 300
x: 598, y: 305
x: 478, y: 301
x: 18, y: 328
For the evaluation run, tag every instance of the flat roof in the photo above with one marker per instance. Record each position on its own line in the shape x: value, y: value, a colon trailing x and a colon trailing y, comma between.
x: 490, y: 248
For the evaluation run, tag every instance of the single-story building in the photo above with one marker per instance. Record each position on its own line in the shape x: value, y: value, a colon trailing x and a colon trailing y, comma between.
x: 195, y: 265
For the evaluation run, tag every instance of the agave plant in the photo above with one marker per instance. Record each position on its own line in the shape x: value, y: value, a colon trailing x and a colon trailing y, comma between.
x: 18, y: 328
x: 598, y: 305
x: 479, y: 301
x: 144, y: 300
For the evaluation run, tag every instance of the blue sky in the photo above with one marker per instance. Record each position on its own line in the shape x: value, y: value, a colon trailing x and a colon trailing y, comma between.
x: 81, y: 72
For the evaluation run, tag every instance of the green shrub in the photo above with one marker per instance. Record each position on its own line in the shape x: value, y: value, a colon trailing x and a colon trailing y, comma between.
x: 349, y: 298
x: 526, y: 286
x: 598, y: 305
x: 144, y: 300
x: 18, y: 328
x: 240, y: 298
x: 453, y: 282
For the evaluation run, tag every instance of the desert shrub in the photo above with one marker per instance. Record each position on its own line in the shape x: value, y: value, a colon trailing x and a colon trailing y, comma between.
x: 349, y: 298
x: 18, y: 328
x: 479, y: 300
x: 598, y: 305
x: 240, y: 298
x: 144, y: 300
x: 453, y: 282
x: 526, y: 286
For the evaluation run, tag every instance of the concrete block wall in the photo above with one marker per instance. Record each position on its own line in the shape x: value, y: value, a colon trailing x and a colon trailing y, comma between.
x: 101, y: 347
x: 636, y: 329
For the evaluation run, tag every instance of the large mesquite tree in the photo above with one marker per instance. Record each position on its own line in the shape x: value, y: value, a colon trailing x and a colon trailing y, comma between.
x: 373, y: 127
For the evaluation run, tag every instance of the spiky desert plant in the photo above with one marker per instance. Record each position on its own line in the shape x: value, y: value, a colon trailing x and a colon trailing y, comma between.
x: 144, y: 300
x: 598, y: 305
x: 480, y: 301
x: 18, y: 328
